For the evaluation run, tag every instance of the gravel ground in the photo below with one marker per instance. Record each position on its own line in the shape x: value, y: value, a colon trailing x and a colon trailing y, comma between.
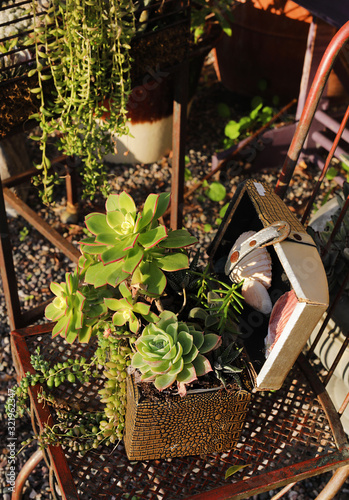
x: 37, y: 262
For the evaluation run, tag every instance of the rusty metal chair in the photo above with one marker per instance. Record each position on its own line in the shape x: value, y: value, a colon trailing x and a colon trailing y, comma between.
x: 17, y: 317
x: 289, y: 435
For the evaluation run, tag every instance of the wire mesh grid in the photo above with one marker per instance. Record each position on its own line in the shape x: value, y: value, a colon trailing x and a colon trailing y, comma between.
x: 17, y: 52
x: 161, y: 44
x: 282, y: 428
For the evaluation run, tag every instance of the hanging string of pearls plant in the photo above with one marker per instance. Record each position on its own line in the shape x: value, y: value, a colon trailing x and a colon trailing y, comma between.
x: 83, y: 47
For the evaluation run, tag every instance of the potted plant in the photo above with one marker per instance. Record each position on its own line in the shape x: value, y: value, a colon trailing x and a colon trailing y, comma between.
x: 164, y: 340
x: 93, y: 67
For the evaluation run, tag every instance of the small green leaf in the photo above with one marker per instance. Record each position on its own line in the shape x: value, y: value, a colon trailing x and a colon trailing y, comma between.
x: 216, y: 192
x: 233, y: 469
x: 201, y: 365
x: 223, y: 210
x: 164, y: 381
x: 153, y: 278
x: 232, y: 129
x: 223, y: 110
x: 163, y: 202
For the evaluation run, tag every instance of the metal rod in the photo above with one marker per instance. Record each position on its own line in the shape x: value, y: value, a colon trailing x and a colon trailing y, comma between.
x: 336, y: 361
x: 45, y: 229
x: 310, y: 106
x: 7, y: 270
x: 335, y: 484
x: 178, y: 144
x: 24, y: 473
x: 327, y: 164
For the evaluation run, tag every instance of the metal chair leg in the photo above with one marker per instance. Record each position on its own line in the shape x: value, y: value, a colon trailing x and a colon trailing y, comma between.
x: 26, y: 470
x: 335, y: 483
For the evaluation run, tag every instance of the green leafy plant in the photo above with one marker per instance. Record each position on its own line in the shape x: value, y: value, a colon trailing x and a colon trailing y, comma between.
x: 23, y: 233
x: 237, y: 130
x: 83, y: 48
x: 82, y: 63
x: 205, y: 9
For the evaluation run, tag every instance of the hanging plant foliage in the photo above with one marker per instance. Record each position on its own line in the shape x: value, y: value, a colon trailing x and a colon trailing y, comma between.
x: 84, y: 47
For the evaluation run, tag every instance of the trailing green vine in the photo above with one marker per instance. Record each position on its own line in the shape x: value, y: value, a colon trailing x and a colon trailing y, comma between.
x: 74, y: 427
x: 82, y: 46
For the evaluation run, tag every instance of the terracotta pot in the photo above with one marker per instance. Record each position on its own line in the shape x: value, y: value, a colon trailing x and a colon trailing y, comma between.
x: 201, y: 422
x: 268, y: 43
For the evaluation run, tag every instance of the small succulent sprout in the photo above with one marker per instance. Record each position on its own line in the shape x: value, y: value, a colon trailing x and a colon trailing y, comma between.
x: 126, y: 309
x: 223, y: 364
x: 171, y: 351
x: 131, y: 246
x: 75, y: 309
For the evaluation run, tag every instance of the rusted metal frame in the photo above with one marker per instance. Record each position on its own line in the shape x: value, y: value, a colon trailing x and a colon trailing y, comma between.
x: 45, y: 229
x: 326, y: 166
x: 335, y: 484
x: 336, y: 361
x: 25, y: 472
x: 310, y: 106
x: 7, y: 270
x: 17, y: 179
x: 56, y: 455
x: 70, y: 185
x: 307, y: 66
x: 336, y: 226
x: 37, y: 312
x: 178, y: 144
x: 328, y: 407
x: 261, y: 483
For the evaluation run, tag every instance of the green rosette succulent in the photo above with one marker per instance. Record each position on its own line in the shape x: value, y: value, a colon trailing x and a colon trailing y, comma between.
x: 76, y: 309
x: 134, y: 247
x: 126, y: 310
x: 171, y: 351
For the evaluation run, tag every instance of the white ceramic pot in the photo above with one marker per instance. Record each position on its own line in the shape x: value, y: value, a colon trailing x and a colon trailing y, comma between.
x: 148, y: 142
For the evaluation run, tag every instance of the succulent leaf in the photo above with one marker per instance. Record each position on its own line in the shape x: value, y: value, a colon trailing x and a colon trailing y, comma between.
x: 152, y: 237
x: 178, y: 238
x: 201, y: 365
x: 211, y: 342
x: 173, y: 262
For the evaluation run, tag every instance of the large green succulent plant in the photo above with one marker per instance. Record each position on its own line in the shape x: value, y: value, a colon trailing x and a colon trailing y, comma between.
x: 127, y: 245
x: 171, y: 351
